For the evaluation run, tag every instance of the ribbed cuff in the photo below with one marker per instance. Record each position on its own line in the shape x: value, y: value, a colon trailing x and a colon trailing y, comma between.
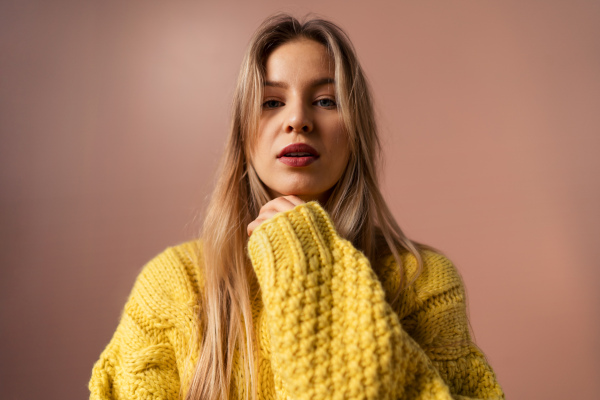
x: 291, y: 239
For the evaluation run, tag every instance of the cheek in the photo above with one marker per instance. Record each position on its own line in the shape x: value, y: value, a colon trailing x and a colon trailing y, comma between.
x: 339, y: 144
x: 341, y: 163
x: 261, y: 146
x: 265, y: 136
x: 344, y: 147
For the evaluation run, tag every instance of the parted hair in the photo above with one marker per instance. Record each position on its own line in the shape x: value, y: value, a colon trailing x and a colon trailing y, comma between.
x: 356, y: 205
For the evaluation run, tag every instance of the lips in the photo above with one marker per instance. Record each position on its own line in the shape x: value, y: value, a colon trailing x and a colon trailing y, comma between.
x: 298, y: 155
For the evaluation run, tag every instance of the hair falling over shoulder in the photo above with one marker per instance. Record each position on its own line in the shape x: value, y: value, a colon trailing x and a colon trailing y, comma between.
x: 356, y: 204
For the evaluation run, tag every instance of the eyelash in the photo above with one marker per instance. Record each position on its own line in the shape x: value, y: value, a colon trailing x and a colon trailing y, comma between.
x: 332, y: 105
x: 268, y: 104
x: 265, y: 104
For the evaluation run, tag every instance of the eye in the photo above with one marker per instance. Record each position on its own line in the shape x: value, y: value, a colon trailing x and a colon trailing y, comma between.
x: 326, y: 103
x: 272, y: 104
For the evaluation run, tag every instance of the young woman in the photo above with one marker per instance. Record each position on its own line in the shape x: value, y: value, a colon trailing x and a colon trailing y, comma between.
x: 303, y: 286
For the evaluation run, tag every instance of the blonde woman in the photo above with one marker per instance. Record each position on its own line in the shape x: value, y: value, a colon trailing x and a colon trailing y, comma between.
x: 303, y: 286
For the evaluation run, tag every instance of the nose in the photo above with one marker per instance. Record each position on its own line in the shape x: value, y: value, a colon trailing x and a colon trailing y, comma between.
x: 299, y: 119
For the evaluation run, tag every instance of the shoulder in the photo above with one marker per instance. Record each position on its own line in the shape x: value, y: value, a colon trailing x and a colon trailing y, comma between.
x: 438, y: 275
x: 170, y: 283
x: 156, y: 332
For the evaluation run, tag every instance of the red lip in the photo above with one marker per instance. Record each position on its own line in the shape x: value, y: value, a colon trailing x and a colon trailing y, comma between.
x: 298, y: 161
x: 298, y: 148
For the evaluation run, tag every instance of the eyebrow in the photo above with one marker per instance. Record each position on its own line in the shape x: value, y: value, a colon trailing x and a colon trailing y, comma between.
x: 314, y: 83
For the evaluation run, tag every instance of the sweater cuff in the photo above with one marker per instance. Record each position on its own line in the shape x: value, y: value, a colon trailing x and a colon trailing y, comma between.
x: 292, y: 238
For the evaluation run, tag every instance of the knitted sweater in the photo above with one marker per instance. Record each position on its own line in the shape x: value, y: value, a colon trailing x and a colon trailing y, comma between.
x: 323, y: 326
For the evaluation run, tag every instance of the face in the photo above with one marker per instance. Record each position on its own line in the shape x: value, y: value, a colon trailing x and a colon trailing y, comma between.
x: 302, y: 146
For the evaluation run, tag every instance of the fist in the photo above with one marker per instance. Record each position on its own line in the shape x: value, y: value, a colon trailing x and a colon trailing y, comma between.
x: 275, y: 206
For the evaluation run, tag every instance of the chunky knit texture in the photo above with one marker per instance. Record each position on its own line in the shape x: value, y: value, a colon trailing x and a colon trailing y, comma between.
x: 323, y: 326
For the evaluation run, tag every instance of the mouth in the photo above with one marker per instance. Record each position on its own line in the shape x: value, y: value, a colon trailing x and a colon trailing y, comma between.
x: 298, y: 155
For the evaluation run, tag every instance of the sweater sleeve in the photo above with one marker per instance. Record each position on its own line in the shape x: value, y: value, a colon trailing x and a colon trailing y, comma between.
x: 440, y: 326
x: 332, y: 333
x: 146, y: 354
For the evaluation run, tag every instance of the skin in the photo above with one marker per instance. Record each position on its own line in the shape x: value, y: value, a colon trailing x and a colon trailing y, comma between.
x: 273, y: 207
x: 299, y: 106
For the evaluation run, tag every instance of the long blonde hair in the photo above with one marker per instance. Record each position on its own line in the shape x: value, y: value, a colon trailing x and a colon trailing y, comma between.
x: 355, y: 205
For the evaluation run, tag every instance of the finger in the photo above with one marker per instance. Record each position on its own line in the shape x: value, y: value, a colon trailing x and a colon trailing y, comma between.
x: 285, y: 203
x: 295, y: 200
x: 279, y: 204
x: 264, y: 216
x: 251, y: 226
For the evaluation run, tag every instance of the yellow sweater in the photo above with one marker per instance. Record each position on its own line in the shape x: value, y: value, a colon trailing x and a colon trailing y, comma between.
x: 323, y: 326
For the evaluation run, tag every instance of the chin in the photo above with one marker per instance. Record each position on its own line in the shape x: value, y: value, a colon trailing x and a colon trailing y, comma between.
x: 309, y: 195
x: 307, y: 188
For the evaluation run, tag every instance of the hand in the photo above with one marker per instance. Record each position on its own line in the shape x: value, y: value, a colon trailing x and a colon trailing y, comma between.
x: 268, y: 211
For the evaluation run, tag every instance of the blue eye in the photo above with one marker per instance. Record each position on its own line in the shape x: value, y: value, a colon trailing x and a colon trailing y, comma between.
x: 326, y: 103
x: 272, y: 104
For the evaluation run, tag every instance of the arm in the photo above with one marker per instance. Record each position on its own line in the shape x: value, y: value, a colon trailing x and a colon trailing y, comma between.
x: 440, y: 326
x: 147, y: 352
x: 333, y: 335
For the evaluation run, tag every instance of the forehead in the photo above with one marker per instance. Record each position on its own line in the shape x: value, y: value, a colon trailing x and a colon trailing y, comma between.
x: 299, y: 61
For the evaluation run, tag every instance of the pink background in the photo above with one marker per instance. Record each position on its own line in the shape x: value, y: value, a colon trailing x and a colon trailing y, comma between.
x: 113, y: 116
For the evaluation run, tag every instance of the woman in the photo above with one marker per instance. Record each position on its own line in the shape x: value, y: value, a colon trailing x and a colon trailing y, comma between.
x: 303, y: 285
